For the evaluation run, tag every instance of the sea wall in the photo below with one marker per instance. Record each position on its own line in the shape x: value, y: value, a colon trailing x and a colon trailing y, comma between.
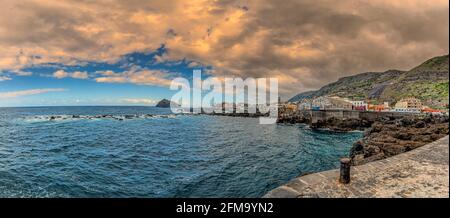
x: 422, y: 172
x: 370, y: 116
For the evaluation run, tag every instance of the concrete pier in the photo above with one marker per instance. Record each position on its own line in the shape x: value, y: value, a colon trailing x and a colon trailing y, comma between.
x: 422, y: 172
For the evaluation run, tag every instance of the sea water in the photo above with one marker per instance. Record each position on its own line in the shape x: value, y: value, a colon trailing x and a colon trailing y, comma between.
x: 146, y: 152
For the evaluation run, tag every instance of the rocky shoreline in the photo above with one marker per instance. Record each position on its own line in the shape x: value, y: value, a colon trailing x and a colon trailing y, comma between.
x: 386, y: 138
x: 102, y: 116
x: 339, y: 125
x: 383, y: 137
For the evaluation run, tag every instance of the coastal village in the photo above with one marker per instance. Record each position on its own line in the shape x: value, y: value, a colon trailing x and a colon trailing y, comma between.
x: 404, y: 105
x: 297, y: 112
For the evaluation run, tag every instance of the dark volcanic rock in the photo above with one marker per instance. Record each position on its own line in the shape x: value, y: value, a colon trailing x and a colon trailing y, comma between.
x: 340, y: 125
x: 166, y: 103
x: 296, y: 117
x: 391, y: 137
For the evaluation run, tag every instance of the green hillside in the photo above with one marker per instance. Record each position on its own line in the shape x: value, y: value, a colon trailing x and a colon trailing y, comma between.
x: 428, y: 82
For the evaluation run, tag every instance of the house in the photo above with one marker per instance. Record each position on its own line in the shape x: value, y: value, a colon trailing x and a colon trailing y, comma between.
x: 291, y: 106
x: 359, y: 105
x: 340, y: 103
x: 407, y: 110
x: 331, y: 103
x: 320, y: 103
x: 287, y: 107
x: 378, y: 107
x: 410, y: 105
x: 304, y: 104
x: 427, y: 109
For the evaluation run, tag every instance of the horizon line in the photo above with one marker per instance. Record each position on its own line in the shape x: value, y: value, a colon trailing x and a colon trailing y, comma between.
x: 78, y: 106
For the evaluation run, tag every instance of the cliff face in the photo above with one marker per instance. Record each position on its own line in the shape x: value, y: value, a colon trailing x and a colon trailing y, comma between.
x: 427, y: 82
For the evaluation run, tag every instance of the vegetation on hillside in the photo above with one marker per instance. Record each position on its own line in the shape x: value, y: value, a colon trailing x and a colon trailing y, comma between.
x: 428, y: 82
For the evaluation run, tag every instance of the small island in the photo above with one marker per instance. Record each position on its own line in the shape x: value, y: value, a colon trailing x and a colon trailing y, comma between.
x: 166, y: 104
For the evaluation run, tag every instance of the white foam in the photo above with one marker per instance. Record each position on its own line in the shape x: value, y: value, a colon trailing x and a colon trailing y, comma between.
x: 58, y: 118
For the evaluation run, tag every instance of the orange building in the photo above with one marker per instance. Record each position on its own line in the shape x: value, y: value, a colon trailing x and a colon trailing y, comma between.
x: 430, y: 110
x: 374, y: 107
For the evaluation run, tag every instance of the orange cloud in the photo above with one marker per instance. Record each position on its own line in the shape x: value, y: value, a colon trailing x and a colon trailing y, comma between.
x: 60, y: 74
x: 136, y: 76
x: 311, y: 42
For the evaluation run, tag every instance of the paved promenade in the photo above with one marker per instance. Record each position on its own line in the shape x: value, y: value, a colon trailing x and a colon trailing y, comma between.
x: 422, y: 172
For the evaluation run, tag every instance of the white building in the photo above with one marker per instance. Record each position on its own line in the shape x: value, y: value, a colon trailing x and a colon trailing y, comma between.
x: 305, y: 104
x: 407, y: 110
x: 359, y: 105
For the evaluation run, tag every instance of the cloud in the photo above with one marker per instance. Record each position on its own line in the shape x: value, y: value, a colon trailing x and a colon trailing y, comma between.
x: 137, y: 76
x: 4, y: 78
x: 305, y: 43
x: 21, y: 93
x: 22, y: 73
x: 79, y: 75
x: 114, y: 79
x: 139, y: 101
x: 107, y: 73
x: 60, y: 74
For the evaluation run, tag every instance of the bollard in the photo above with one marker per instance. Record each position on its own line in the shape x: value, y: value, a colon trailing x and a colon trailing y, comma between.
x: 345, y: 171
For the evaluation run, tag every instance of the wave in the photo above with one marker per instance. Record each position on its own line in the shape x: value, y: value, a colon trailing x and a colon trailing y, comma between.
x: 54, y: 118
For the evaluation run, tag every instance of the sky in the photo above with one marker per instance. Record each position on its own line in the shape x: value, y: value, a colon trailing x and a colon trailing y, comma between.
x: 113, y: 52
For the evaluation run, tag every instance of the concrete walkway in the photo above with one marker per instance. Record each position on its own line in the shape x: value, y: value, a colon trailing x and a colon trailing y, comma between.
x: 422, y: 172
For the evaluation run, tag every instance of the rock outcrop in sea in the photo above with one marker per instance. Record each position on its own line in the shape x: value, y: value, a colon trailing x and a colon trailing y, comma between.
x: 166, y: 104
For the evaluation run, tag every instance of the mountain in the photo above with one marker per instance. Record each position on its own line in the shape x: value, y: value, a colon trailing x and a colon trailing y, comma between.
x: 166, y: 103
x: 427, y: 82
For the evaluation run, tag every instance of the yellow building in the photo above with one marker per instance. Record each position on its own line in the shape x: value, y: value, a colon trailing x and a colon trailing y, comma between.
x: 410, y: 103
x: 291, y: 106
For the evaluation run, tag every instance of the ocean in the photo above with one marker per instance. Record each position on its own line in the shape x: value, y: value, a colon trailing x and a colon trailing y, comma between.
x: 145, y: 152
